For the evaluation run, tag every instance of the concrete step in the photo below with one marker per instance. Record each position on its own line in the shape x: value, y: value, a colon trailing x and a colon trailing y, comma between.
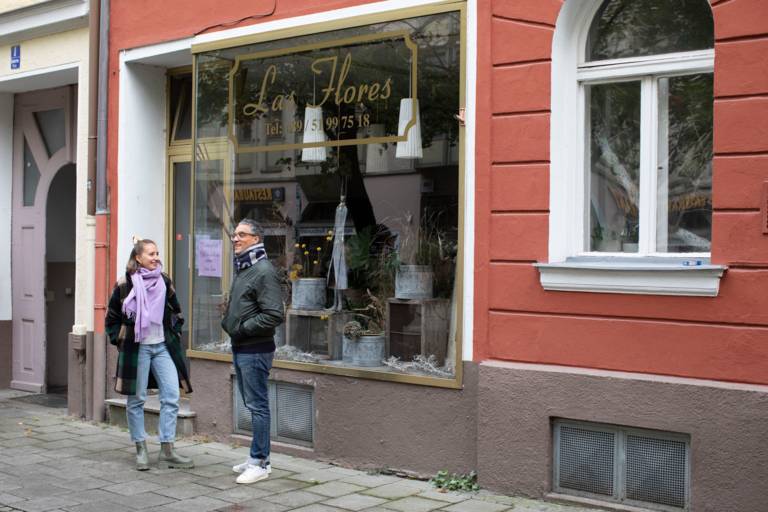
x: 185, y: 419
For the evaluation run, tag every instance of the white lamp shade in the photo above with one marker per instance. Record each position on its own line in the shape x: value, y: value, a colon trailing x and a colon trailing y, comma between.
x: 313, y: 132
x: 376, y: 153
x: 410, y: 148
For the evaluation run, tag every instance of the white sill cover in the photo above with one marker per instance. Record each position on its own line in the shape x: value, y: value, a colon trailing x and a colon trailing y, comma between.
x: 643, y: 275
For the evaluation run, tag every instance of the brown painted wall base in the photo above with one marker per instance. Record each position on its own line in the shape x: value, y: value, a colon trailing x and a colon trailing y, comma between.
x: 362, y: 423
x: 726, y: 424
x: 6, y: 349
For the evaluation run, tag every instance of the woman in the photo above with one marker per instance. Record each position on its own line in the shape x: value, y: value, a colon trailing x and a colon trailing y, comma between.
x: 144, y: 322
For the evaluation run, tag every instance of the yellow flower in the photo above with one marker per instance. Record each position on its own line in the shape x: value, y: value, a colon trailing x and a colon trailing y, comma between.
x: 303, y: 246
x: 328, y: 238
x: 330, y: 232
x: 306, y: 253
x: 293, y: 275
x: 319, y: 249
x: 315, y: 262
x: 296, y: 246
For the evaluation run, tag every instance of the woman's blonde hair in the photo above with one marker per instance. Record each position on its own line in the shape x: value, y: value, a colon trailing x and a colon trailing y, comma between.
x: 138, y: 248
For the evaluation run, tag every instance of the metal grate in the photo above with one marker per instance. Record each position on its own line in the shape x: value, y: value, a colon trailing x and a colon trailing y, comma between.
x: 291, y: 409
x: 621, y: 464
x: 656, y: 470
x: 294, y: 413
x: 586, y: 460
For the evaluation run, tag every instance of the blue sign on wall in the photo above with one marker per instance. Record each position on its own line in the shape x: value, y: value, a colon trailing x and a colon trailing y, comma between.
x: 16, y: 56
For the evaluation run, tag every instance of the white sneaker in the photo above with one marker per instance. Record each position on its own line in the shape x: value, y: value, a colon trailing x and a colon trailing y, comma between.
x: 239, y: 468
x: 252, y: 474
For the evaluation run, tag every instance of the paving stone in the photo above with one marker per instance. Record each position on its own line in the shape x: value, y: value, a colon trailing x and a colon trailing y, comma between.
x: 355, y: 502
x: 447, y: 496
x: 317, y: 507
x: 61, y: 427
x: 99, y: 506
x: 371, y: 480
x: 336, y: 489
x: 7, y: 499
x: 44, y: 504
x: 198, y: 504
x: 133, y: 487
x: 295, y: 499
x: 254, y: 506
x: 393, y: 491
x: 414, y: 504
x: 62, y: 443
x: 102, y: 446
x: 476, y: 506
x: 221, y: 483
x: 38, y: 490
x: 280, y: 485
x: 143, y: 500
x: 54, y: 436
x: 213, y: 471
x: 240, y: 494
x: 319, y: 476
x: 184, y: 491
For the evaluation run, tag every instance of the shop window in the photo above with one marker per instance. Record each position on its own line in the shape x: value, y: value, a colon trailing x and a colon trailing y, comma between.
x: 637, y: 90
x: 344, y: 147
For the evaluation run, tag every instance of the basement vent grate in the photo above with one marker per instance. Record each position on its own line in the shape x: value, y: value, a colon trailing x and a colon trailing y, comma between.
x: 586, y: 460
x: 291, y: 410
x: 619, y: 464
x: 656, y: 470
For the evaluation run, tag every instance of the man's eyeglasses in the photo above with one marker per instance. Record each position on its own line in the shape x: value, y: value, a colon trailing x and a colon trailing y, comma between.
x: 239, y: 235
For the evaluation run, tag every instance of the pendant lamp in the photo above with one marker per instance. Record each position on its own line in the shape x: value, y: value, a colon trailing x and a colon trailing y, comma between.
x: 376, y: 153
x: 313, y: 132
x: 410, y: 148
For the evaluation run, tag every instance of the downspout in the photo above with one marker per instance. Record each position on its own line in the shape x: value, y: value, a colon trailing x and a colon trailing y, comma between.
x: 93, y: 83
x: 102, y: 220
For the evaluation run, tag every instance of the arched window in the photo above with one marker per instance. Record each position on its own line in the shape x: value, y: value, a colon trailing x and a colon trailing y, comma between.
x: 632, y: 81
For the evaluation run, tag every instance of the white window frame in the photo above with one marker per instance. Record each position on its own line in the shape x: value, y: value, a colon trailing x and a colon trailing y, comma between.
x: 572, y: 267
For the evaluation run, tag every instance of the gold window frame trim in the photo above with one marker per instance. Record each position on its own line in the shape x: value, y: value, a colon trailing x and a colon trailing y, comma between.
x: 440, y: 7
x: 384, y: 36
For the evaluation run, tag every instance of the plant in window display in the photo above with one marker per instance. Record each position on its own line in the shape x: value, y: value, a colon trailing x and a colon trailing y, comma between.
x: 307, y: 273
x: 364, y: 339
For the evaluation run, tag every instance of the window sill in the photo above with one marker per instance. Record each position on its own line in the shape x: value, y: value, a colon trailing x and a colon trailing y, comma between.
x: 642, y: 276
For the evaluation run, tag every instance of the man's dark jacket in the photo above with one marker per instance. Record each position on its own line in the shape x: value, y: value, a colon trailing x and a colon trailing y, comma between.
x: 255, y: 308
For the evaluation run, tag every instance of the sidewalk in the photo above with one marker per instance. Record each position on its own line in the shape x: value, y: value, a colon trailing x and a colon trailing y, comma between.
x: 50, y: 462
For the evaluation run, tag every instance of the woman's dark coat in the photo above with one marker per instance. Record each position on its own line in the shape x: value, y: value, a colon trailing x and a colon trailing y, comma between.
x: 119, y: 329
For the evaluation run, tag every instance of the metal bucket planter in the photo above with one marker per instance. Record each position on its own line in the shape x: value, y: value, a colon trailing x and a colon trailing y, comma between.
x: 308, y: 293
x: 363, y: 351
x: 414, y: 282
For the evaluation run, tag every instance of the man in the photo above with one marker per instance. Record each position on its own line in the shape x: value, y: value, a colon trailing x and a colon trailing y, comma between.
x: 255, y: 308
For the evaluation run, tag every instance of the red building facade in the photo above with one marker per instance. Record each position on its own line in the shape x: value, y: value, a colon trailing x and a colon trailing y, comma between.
x: 574, y: 328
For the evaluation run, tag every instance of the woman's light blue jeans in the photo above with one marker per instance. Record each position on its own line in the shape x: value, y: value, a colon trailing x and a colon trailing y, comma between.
x: 157, y: 359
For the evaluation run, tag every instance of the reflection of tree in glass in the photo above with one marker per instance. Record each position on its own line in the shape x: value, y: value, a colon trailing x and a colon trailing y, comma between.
x: 690, y: 160
x: 212, y: 96
x: 631, y: 28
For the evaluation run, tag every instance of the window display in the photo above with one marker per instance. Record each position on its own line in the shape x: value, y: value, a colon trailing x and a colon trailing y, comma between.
x: 344, y: 147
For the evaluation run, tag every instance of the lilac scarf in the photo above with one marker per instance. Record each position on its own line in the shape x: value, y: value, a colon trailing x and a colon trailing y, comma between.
x: 145, y: 303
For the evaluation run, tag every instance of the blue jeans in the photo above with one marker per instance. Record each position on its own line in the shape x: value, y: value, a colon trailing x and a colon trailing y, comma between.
x: 252, y: 371
x: 157, y: 359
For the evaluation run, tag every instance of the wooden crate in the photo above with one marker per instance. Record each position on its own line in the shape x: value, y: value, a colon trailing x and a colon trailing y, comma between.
x: 318, y: 332
x: 418, y: 327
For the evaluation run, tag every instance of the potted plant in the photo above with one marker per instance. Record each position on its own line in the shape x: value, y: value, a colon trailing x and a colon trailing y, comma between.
x: 414, y: 277
x: 363, y: 342
x: 307, y: 277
